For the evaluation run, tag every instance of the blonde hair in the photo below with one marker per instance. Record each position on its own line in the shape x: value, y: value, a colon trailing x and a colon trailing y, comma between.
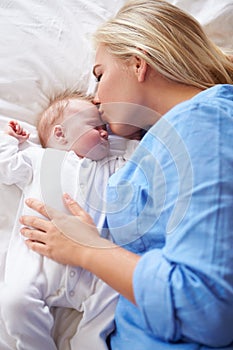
x: 53, y: 114
x: 171, y: 41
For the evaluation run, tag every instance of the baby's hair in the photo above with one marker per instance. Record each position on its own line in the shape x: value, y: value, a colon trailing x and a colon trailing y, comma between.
x: 53, y: 114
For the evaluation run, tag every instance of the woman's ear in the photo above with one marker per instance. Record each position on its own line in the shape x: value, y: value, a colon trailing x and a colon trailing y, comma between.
x: 59, y: 134
x: 140, y: 68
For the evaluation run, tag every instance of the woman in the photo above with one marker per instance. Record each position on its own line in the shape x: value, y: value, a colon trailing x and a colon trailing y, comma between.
x: 169, y: 209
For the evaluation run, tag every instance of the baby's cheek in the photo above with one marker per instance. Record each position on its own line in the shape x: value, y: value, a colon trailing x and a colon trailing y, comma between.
x: 92, y: 139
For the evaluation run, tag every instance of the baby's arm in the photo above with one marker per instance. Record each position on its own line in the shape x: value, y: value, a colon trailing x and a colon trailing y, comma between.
x: 15, y: 165
x: 16, y: 130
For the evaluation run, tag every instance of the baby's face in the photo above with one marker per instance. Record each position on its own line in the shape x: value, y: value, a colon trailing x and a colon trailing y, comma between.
x: 84, y: 130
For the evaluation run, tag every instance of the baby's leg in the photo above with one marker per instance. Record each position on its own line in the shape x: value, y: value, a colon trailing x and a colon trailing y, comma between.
x: 97, y: 301
x: 6, y: 342
x: 27, y: 318
x: 24, y: 311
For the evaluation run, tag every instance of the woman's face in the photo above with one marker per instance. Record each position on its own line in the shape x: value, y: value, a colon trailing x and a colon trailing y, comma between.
x: 118, y: 92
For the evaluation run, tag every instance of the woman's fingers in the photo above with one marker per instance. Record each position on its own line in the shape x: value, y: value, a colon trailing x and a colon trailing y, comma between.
x: 73, y: 206
x: 76, y: 210
x: 35, y: 222
x: 51, y: 213
x: 52, y: 244
x: 79, y: 227
x: 34, y: 235
x: 37, y: 241
x: 40, y: 207
x: 37, y: 206
x: 38, y: 247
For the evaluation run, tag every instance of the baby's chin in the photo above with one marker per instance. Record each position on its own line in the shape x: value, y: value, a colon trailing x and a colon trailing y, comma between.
x: 99, y: 152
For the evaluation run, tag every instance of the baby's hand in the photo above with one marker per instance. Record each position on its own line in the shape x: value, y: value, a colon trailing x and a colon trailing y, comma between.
x: 15, y: 129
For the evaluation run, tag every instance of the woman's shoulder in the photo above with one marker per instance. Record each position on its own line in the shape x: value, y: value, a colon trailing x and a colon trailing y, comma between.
x: 210, y: 105
x: 218, y: 96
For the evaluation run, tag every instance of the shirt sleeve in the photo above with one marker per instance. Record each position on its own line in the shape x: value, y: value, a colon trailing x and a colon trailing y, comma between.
x: 15, y: 166
x: 177, y: 304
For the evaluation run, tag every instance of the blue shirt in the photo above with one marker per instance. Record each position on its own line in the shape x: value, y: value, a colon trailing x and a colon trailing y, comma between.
x: 172, y: 203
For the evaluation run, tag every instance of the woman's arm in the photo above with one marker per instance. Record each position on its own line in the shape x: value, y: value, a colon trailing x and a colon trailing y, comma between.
x: 74, y: 240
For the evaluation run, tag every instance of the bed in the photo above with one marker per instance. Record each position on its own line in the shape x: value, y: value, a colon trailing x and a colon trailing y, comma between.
x: 45, y: 49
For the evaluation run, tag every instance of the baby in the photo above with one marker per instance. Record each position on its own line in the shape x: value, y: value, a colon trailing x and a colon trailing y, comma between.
x: 73, y: 123
x: 79, y: 160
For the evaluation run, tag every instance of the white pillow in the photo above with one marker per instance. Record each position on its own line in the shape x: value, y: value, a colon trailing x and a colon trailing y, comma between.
x: 45, y: 48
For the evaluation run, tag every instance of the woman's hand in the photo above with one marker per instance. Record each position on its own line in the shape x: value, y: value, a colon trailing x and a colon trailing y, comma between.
x: 74, y: 240
x: 64, y: 238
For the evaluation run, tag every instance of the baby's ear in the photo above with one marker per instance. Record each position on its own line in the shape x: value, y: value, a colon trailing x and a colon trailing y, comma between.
x: 59, y: 134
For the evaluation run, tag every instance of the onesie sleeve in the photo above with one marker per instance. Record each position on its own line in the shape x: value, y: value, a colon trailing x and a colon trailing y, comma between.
x: 15, y: 166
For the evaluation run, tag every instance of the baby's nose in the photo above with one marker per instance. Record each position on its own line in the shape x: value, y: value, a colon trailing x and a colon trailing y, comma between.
x: 96, y: 100
x: 103, y: 133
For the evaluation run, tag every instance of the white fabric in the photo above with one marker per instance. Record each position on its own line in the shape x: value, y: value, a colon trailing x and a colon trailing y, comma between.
x: 31, y: 279
x: 46, y: 48
x: 215, y: 16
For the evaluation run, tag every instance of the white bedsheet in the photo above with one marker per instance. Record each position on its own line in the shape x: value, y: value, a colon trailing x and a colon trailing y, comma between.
x: 46, y: 48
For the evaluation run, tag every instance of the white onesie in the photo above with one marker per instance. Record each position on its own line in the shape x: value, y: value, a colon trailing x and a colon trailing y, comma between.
x: 34, y: 284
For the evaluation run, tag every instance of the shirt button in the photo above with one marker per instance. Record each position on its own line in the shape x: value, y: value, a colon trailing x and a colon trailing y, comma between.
x: 85, y: 163
x: 71, y: 293
x: 82, y: 186
x: 72, y: 273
